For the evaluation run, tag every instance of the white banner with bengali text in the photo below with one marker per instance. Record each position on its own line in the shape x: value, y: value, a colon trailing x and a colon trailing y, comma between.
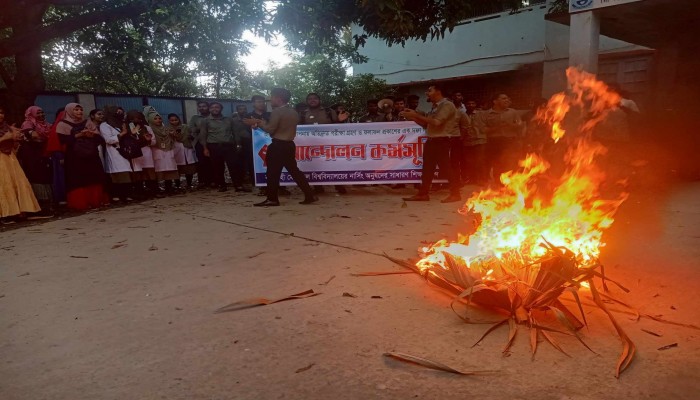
x: 351, y: 154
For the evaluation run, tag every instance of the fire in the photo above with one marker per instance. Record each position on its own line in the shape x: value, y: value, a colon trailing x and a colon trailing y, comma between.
x: 539, y: 235
x: 557, y: 108
x: 562, y: 205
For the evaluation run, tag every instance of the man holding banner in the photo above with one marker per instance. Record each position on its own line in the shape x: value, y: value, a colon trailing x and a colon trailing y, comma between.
x: 281, y: 153
x: 440, y: 123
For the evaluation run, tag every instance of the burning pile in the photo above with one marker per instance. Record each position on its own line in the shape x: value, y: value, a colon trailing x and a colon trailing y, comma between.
x: 539, y: 235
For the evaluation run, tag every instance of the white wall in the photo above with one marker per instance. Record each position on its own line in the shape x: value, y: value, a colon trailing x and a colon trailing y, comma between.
x: 502, y: 43
x: 556, y: 58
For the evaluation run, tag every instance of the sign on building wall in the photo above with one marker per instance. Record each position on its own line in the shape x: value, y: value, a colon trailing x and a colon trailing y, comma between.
x: 587, y: 5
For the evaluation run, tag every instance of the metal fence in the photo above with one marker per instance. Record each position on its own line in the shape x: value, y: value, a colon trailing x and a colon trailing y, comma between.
x: 125, y: 102
x: 51, y: 102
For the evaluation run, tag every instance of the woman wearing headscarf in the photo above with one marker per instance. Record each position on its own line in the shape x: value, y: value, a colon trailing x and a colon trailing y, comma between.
x: 185, y: 155
x: 144, y: 169
x: 16, y: 195
x: 163, y: 150
x: 55, y: 150
x: 83, y: 166
x: 118, y: 167
x: 95, y: 118
x: 31, y: 156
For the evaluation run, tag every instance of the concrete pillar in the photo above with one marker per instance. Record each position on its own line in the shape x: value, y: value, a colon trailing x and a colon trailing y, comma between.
x: 583, y: 41
x: 666, y: 63
x: 556, y: 58
x: 87, y: 101
x: 190, y: 109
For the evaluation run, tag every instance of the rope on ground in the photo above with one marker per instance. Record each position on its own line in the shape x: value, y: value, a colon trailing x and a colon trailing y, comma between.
x: 308, y: 239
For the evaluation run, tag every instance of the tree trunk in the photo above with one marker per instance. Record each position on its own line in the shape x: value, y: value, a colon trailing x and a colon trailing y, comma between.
x: 25, y: 46
x: 217, y: 85
x: 29, y: 78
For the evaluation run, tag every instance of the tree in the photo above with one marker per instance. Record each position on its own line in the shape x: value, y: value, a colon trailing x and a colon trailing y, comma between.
x: 145, y: 46
x: 312, y: 26
x: 363, y: 87
x: 158, y: 53
x: 312, y: 73
x: 22, y: 32
x: 327, y: 76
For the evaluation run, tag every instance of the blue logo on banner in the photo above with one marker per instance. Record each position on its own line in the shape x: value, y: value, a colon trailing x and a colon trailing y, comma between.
x: 580, y: 4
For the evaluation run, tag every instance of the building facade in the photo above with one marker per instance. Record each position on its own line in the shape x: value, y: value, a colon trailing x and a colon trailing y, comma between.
x: 519, y: 53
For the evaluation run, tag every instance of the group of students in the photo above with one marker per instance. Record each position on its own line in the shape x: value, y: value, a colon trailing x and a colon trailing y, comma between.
x: 115, y: 155
x: 89, y: 162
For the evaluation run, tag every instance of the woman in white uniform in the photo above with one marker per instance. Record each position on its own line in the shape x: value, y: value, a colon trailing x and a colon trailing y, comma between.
x: 144, y: 167
x: 185, y: 155
x: 163, y: 150
x: 118, y: 167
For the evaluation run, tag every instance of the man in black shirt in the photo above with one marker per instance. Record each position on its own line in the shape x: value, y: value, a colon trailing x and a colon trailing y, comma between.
x: 241, y: 111
x: 412, y: 102
x: 259, y: 112
x: 259, y: 109
x: 205, y: 174
x: 373, y: 114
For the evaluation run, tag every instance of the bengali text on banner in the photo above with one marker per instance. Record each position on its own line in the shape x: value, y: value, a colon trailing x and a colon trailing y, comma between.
x: 347, y: 154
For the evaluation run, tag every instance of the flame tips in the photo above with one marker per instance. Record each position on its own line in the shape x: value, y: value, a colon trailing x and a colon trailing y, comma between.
x: 534, y: 202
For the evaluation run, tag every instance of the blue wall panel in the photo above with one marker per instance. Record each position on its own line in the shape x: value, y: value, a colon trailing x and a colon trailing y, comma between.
x: 228, y: 107
x: 167, y: 106
x: 247, y: 104
x: 125, y: 102
x: 53, y: 102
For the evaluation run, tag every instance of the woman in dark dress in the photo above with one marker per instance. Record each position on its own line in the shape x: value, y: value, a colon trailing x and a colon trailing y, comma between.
x: 32, y: 157
x: 85, y: 174
x: 55, y: 150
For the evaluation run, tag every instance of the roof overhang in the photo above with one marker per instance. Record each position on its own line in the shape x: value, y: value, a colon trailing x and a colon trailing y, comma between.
x: 650, y: 23
x: 520, y: 68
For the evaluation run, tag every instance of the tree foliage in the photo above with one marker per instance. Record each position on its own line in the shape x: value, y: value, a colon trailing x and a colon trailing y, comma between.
x: 162, y: 52
x: 314, y: 26
x: 181, y: 47
x: 329, y: 77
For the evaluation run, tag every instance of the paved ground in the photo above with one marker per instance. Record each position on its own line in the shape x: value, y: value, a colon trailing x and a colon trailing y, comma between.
x: 118, y: 304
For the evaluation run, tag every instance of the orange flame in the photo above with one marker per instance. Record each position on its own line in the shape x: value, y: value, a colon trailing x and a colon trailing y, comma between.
x: 536, y: 202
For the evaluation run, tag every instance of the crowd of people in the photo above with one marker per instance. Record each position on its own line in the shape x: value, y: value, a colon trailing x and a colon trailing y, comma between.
x: 466, y: 143
x: 115, y: 156
x: 89, y: 162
